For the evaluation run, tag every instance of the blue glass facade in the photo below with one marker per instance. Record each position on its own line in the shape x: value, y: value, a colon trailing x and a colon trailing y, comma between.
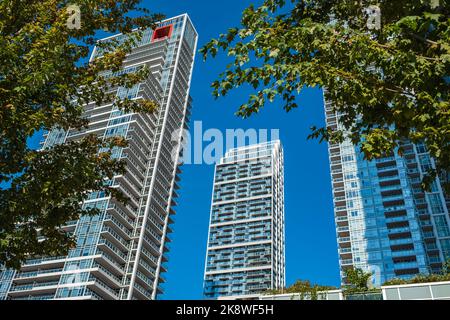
x: 385, y: 223
x: 246, y: 237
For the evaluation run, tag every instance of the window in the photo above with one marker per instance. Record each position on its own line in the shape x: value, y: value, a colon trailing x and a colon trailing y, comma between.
x: 445, y: 244
x: 352, y: 194
x: 425, y: 163
x: 348, y: 158
x: 350, y: 175
x: 421, y: 148
x: 442, y: 226
x: 436, y: 204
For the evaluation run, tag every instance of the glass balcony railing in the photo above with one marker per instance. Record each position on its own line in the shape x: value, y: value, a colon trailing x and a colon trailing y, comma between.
x: 365, y: 296
x: 36, y: 273
x: 25, y: 287
x: 41, y: 297
x: 42, y: 260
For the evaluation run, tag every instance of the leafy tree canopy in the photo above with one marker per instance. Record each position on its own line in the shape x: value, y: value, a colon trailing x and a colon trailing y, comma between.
x: 421, y: 278
x: 357, y: 280
x: 389, y: 83
x: 45, y: 81
x: 306, y: 290
x: 446, y: 267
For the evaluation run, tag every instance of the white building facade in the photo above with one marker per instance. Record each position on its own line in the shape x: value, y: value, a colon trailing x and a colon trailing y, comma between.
x: 246, y: 242
x: 121, y: 253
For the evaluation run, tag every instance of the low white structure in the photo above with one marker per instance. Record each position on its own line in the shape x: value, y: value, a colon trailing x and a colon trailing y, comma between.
x: 326, y: 295
x: 417, y: 291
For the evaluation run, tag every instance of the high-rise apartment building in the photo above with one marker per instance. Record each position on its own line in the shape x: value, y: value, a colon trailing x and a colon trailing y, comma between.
x: 121, y: 253
x: 245, y: 252
x: 385, y: 223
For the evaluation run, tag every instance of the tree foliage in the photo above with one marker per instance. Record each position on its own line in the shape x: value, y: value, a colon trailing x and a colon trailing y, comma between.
x: 389, y: 84
x: 45, y: 82
x: 446, y: 267
x: 357, y: 281
x: 421, y: 278
x: 305, y: 289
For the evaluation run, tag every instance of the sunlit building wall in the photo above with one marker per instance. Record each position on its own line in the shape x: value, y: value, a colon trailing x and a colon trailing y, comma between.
x: 121, y: 254
x: 246, y: 248
x: 385, y: 223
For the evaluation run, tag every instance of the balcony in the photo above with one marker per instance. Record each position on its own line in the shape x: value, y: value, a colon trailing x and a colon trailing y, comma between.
x: 143, y: 293
x: 107, y: 260
x: 111, y: 221
x: 133, y: 191
x: 37, y: 288
x: 343, y: 229
x: 102, y: 289
x: 49, y: 262
x: 111, y: 235
x: 344, y: 239
x: 112, y: 250
x: 107, y: 276
x: 397, y: 254
x: 48, y: 274
x: 120, y: 214
x: 70, y: 226
x: 345, y: 250
x: 39, y: 297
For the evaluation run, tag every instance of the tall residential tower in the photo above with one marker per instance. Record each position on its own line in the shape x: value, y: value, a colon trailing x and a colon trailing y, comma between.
x: 121, y: 253
x: 245, y: 254
x: 385, y: 223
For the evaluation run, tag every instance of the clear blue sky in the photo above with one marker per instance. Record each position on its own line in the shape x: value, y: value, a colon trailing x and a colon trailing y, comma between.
x: 310, y: 234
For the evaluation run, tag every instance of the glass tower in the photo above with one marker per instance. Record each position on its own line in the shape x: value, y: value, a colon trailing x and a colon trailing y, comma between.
x: 245, y: 254
x: 121, y: 253
x: 385, y: 223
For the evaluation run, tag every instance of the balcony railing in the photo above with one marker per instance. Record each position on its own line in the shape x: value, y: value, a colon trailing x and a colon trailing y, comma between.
x: 25, y: 287
x: 36, y: 273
